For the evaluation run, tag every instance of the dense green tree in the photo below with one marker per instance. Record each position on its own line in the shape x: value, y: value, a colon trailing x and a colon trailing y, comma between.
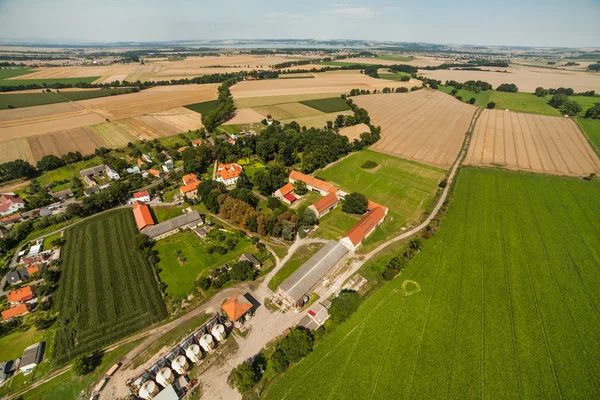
x: 279, y: 362
x: 491, y: 105
x: 558, y: 100
x: 308, y: 218
x: 507, y: 87
x: 243, y: 182
x: 16, y: 169
x: 344, y: 305
x: 82, y: 365
x: 243, y: 378
x: 296, y: 345
x: 50, y: 162
x: 541, y: 92
x: 300, y: 188
x: 571, y: 107
x: 243, y: 271
x: 593, y: 112
x: 355, y: 203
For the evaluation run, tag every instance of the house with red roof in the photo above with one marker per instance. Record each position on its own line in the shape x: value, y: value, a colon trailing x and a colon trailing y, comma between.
x: 182, y: 149
x: 285, y: 193
x: 142, y: 196
x: 237, y: 307
x: 10, y: 204
x: 154, y: 172
x: 196, y: 142
x: 143, y: 217
x: 324, y: 205
x: 20, y: 295
x: 316, y: 185
x: 190, y: 186
x: 16, y: 311
x: 359, y: 232
x: 229, y: 173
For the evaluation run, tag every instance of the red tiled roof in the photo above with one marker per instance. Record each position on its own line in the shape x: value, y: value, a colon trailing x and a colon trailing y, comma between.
x: 190, y: 178
x: 290, y: 197
x: 22, y: 294
x: 15, y: 217
x: 228, y: 171
x: 14, y: 312
x: 285, y: 189
x: 5, y: 206
x: 236, y: 306
x: 181, y: 149
x: 190, y: 188
x: 359, y: 231
x: 137, y: 195
x: 312, y: 181
x: 325, y: 202
x: 196, y: 142
x: 143, y: 217
x: 154, y: 172
x: 32, y: 269
x: 9, y: 197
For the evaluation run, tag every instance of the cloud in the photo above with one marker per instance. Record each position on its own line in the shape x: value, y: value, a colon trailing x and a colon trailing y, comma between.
x: 272, y: 15
x: 352, y: 12
x: 391, y: 8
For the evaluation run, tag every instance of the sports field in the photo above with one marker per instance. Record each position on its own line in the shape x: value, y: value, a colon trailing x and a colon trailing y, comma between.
x: 107, y: 289
x: 406, y: 188
x: 501, y: 303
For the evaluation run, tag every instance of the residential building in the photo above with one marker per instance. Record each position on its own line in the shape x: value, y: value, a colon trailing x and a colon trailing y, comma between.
x: 32, y: 269
x: 32, y: 357
x: 190, y: 220
x: 296, y: 288
x: 229, y: 173
x: 10, y: 204
x: 182, y: 149
x: 16, y: 276
x: 324, y: 205
x: 359, y: 232
x: 20, y: 295
x: 190, y: 186
x: 112, y: 174
x: 285, y: 193
x: 133, y: 170
x: 189, y: 178
x: 197, y: 142
x: 154, y: 172
x: 143, y: 217
x: 140, y: 163
x: 166, y: 153
x: 312, y: 183
x: 237, y: 307
x: 98, y: 171
x: 7, y: 369
x: 142, y: 196
x: 167, y: 165
x: 15, y: 311
x: 11, y: 220
x: 63, y: 194
x: 249, y: 257
x: 146, y: 158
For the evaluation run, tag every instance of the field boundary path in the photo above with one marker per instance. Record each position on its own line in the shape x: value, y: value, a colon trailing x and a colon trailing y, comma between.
x: 264, y: 326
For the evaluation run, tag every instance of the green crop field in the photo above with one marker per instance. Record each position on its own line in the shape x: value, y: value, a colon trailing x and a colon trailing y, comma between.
x: 407, y: 188
x: 393, y: 76
x: 29, y: 99
x: 330, y: 105
x: 501, y: 303
x: 204, y: 107
x: 585, y: 101
x: 184, y: 258
x: 43, y: 82
x: 591, y: 128
x: 92, y: 94
x: 107, y: 289
x: 6, y: 73
x: 523, y: 102
x: 481, y: 99
x: 302, y: 254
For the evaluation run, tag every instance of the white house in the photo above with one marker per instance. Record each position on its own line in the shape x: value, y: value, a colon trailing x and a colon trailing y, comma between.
x: 32, y: 357
x: 112, y: 174
x: 167, y: 165
x: 147, y: 158
x: 229, y: 173
x: 142, y: 196
x: 10, y: 204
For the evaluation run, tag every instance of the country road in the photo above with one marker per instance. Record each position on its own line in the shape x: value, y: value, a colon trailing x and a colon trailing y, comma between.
x: 265, y: 325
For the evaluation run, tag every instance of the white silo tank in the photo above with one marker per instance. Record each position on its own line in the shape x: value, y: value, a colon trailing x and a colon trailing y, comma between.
x: 180, y: 364
x: 148, y: 390
x: 194, y: 353
x: 218, y: 331
x: 165, y: 377
x: 207, y: 343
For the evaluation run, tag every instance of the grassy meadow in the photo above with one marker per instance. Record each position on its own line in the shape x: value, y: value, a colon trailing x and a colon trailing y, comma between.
x: 481, y: 98
x: 591, y: 128
x: 11, y: 100
x: 500, y: 303
x: 107, y: 289
x: 204, y: 107
x: 407, y: 188
x: 330, y: 105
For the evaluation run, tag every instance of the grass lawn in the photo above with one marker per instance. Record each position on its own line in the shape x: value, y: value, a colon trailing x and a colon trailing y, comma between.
x: 393, y: 76
x: 482, y: 98
x: 235, y: 129
x: 523, y: 102
x: 68, y: 171
x: 49, y: 239
x: 69, y: 385
x: 333, y: 104
x: 29, y: 99
x: 250, y: 166
x: 500, y: 303
x: 586, y: 102
x: 165, y: 213
x: 302, y: 254
x: 407, y: 188
x: 184, y: 258
x: 13, y: 344
x: 335, y: 224
x: 204, y: 107
x: 591, y: 128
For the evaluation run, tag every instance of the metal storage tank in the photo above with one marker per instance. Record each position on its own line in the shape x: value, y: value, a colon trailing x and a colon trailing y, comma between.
x: 207, y: 342
x: 218, y: 331
x: 165, y: 377
x: 148, y: 390
x: 180, y: 365
x: 194, y: 353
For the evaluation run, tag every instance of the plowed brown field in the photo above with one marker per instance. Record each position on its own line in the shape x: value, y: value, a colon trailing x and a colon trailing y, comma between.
x: 83, y: 140
x: 11, y: 150
x: 353, y: 132
x: 245, y: 116
x: 531, y: 142
x: 426, y: 125
x: 180, y: 118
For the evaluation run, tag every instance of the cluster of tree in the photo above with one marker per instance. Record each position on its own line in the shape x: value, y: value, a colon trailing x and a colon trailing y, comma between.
x: 469, y: 65
x: 392, y: 90
x: 17, y: 169
x: 474, y: 86
x: 396, y: 264
x: 355, y: 203
x: 395, y: 68
x: 117, y: 193
x: 565, y: 105
x: 85, y: 364
x: 409, y: 69
x: 491, y: 105
x: 371, y: 71
x: 18, y: 233
x: 593, y: 112
x: 240, y: 271
x: 508, y: 87
x: 51, y: 162
x: 290, y: 350
x: 10, y: 326
x: 146, y: 245
x: 594, y: 67
x: 344, y: 305
x: 224, y: 110
x: 289, y: 64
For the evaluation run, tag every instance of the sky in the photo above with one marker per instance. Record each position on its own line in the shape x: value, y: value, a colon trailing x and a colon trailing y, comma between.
x: 550, y: 23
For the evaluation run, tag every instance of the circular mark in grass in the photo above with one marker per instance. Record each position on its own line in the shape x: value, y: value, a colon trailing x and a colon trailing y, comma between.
x: 410, y: 287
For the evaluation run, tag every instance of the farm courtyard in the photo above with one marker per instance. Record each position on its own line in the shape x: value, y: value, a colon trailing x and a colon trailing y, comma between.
x: 500, y: 303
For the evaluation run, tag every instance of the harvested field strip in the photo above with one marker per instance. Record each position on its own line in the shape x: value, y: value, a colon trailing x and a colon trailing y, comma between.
x: 163, y: 128
x: 12, y: 117
x: 83, y: 140
x: 271, y: 100
x: 180, y: 118
x: 287, y: 111
x: 16, y: 149
x: 354, y: 131
x: 531, y: 142
x: 425, y: 126
x: 119, y: 133
x: 120, y: 298
x: 49, y: 126
x: 316, y: 121
x: 506, y: 307
x: 245, y: 116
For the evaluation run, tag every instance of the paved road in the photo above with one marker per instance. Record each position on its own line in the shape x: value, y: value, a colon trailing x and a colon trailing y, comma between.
x: 265, y: 325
